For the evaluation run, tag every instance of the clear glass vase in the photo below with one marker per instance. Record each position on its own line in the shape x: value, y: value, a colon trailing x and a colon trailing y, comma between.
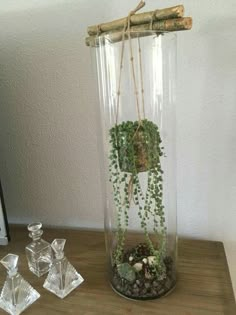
x: 136, y: 78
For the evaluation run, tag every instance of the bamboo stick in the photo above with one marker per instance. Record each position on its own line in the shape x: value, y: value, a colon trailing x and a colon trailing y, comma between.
x: 171, y: 25
x: 136, y: 19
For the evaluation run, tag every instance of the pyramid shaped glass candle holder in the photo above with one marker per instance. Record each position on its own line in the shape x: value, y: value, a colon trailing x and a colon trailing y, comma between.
x: 62, y: 277
x: 17, y: 294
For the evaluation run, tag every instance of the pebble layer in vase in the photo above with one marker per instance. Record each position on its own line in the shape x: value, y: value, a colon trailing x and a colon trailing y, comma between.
x: 139, y: 279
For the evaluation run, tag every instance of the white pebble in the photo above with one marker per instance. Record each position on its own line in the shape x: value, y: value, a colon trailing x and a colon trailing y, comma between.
x: 148, y: 275
x: 151, y: 260
x: 138, y: 267
x: 131, y: 258
x: 145, y: 260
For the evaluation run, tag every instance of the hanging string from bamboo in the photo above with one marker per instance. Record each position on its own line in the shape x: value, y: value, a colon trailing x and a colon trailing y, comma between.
x: 120, y: 73
x: 126, y: 29
x: 140, y: 5
x: 141, y: 76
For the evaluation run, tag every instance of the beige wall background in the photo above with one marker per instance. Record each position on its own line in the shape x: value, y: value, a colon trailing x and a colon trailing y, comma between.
x: 49, y: 159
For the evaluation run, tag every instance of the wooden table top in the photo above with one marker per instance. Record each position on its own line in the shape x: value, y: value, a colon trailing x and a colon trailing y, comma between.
x: 203, y: 288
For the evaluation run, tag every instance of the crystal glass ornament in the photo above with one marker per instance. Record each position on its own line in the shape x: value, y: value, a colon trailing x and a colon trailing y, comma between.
x: 62, y: 277
x: 17, y: 294
x: 39, y: 252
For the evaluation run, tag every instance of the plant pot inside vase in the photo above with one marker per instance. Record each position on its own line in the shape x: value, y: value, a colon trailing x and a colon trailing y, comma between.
x: 137, y: 145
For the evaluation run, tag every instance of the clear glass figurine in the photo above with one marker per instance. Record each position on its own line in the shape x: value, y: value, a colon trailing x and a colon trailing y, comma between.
x: 38, y: 252
x: 17, y: 294
x: 62, y: 277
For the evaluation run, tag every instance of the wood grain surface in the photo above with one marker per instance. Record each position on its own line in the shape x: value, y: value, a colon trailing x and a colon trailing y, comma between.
x: 203, y: 288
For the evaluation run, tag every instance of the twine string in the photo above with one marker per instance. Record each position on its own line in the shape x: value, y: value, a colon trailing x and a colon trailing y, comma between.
x: 126, y: 29
x: 152, y: 19
x: 120, y: 72
x: 99, y: 31
x: 141, y: 76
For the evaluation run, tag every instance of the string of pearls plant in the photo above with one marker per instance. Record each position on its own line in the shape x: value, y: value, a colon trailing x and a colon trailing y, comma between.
x: 137, y: 148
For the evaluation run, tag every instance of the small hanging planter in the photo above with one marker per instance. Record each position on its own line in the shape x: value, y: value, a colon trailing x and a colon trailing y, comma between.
x: 140, y: 219
x: 138, y: 145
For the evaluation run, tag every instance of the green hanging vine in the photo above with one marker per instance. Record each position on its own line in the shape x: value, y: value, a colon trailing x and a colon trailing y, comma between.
x: 136, y: 147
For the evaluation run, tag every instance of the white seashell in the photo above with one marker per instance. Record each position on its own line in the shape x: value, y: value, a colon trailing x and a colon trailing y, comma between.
x: 145, y: 261
x: 151, y: 260
x: 138, y: 267
x: 131, y: 258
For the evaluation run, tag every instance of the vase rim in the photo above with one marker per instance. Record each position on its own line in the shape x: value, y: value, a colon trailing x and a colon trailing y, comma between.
x: 115, y: 37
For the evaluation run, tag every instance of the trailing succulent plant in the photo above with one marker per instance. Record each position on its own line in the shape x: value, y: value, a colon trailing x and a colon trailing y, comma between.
x: 136, y: 147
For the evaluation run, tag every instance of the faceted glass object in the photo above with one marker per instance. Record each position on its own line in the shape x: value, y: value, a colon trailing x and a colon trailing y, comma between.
x: 62, y: 277
x: 17, y: 294
x: 38, y: 252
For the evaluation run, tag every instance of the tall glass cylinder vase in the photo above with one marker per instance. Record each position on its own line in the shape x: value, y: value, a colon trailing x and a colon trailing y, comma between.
x: 136, y: 77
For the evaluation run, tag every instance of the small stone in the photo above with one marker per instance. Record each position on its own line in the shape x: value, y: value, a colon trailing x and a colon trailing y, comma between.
x: 151, y: 260
x: 148, y: 275
x: 168, y: 283
x: 159, y: 288
x: 138, y: 267
x: 135, y: 286
x: 145, y: 261
x: 126, y: 272
x: 147, y: 285
x: 138, y: 282
x: 154, y: 292
x: 115, y: 280
x: 131, y: 258
x: 161, y: 291
x: 169, y: 273
x: 162, y: 277
x: 144, y: 291
x: 136, y: 291
x: 149, y: 294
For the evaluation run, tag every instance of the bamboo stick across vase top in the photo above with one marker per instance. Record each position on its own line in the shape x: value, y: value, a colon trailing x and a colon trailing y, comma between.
x: 162, y: 20
x: 137, y: 19
x: 170, y: 25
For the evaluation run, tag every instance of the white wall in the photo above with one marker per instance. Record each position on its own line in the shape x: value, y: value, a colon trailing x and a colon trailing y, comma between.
x: 49, y: 110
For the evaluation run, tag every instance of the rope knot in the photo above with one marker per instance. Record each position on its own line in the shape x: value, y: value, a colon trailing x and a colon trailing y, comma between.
x: 139, y: 6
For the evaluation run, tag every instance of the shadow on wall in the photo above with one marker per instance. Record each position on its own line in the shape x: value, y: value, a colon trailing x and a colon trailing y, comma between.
x: 219, y: 131
x: 49, y: 163
x: 206, y: 130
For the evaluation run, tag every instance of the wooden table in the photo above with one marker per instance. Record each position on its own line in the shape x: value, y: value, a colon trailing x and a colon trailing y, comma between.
x: 203, y: 288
